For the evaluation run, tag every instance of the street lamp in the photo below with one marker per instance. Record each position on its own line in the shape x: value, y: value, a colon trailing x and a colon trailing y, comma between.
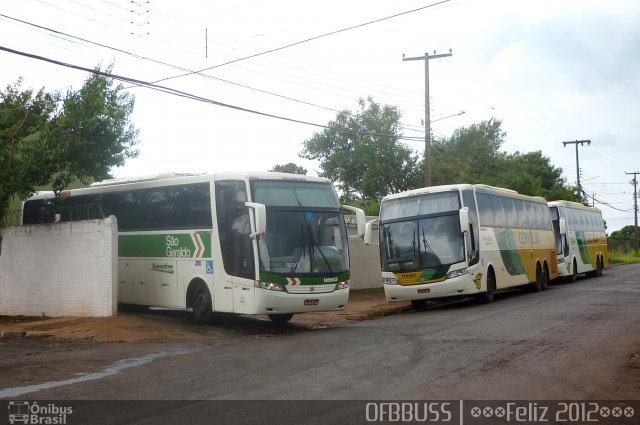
x: 448, y: 116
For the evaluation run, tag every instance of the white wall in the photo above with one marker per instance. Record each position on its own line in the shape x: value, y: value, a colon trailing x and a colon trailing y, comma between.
x: 60, y: 269
x: 364, y: 261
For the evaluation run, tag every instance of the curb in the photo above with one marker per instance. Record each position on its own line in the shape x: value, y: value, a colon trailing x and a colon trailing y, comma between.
x: 13, y: 334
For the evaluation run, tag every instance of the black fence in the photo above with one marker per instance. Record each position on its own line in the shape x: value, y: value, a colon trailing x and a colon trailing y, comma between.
x: 50, y: 213
x: 620, y: 247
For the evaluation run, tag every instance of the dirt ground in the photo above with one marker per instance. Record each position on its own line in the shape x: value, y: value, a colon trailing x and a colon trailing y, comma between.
x: 163, y: 325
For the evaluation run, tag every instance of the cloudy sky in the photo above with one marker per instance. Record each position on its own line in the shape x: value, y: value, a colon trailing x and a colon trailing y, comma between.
x: 552, y: 71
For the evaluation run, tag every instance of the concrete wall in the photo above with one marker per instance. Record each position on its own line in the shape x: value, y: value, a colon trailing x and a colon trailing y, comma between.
x: 365, y: 260
x: 60, y: 269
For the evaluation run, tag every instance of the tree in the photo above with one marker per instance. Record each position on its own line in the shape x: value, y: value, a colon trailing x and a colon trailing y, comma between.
x: 289, y: 168
x: 50, y: 139
x: 360, y: 151
x: 469, y: 155
x: 472, y: 155
x: 626, y: 233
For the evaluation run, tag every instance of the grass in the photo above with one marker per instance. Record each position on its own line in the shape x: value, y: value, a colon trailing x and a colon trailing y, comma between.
x: 618, y: 257
x: 379, y: 290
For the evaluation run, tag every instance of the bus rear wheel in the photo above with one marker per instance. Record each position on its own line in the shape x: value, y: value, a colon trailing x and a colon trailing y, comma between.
x: 599, y: 266
x: 538, y: 285
x: 280, y: 318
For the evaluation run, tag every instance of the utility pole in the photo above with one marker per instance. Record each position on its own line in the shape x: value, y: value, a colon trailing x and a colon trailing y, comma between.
x: 577, y: 142
x: 427, y: 112
x: 635, y: 209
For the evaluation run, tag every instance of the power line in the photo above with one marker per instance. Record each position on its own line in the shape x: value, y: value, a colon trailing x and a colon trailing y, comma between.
x: 305, y: 40
x: 187, y: 95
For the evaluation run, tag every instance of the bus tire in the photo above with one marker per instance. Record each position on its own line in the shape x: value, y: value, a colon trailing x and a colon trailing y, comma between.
x: 201, y: 304
x: 538, y: 284
x: 600, y: 265
x: 545, y: 277
x: 280, y: 318
x: 487, y: 297
x: 574, y: 272
x: 419, y: 305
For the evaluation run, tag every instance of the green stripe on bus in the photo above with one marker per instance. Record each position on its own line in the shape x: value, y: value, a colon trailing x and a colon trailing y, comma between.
x: 422, y: 276
x: 316, y: 280
x: 583, y: 247
x: 172, y: 245
x: 510, y: 257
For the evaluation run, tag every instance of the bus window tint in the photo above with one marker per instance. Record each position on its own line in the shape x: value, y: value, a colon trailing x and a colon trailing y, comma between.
x: 497, y: 210
x: 522, y: 213
x: 287, y: 193
x: 421, y: 205
x: 510, y: 212
x: 484, y: 208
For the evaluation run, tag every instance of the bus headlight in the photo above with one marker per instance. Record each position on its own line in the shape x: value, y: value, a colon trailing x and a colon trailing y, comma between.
x: 457, y: 273
x: 390, y: 281
x: 271, y: 286
x: 343, y: 285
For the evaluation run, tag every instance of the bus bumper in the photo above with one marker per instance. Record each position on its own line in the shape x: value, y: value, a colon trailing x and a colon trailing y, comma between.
x: 449, y: 288
x: 563, y: 269
x: 275, y: 302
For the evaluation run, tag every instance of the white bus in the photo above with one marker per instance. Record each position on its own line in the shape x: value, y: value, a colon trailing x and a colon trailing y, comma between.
x: 459, y: 240
x: 251, y: 243
x: 581, y: 239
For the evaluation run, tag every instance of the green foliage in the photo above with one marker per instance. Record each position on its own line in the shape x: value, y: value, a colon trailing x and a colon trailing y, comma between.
x: 472, y: 155
x: 289, y: 168
x: 371, y: 207
x: 626, y: 233
x: 624, y: 258
x: 24, y: 159
x: 47, y: 139
x: 361, y: 153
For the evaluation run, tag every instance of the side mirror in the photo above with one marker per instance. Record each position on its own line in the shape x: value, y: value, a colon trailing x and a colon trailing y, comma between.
x: 259, y: 218
x: 563, y: 226
x: 361, y: 219
x: 464, y: 221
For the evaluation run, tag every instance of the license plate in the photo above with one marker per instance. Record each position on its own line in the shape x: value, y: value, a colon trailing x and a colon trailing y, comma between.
x: 424, y: 291
x: 311, y: 302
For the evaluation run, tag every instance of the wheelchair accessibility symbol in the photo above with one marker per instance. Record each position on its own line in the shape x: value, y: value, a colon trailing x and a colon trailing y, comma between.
x: 209, y: 267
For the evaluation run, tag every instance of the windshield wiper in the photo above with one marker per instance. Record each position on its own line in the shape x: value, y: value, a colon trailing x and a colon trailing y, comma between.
x: 317, y: 247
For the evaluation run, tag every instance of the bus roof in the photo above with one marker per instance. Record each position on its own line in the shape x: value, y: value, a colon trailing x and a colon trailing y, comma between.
x: 483, y: 188
x: 171, y: 179
x: 571, y: 204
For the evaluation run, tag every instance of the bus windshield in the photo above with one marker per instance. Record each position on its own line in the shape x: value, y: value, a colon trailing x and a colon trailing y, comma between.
x: 421, y: 243
x: 302, y: 242
x: 421, y: 232
x: 305, y: 228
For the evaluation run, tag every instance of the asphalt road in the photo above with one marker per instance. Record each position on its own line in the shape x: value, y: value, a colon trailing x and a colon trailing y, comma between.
x: 576, y: 341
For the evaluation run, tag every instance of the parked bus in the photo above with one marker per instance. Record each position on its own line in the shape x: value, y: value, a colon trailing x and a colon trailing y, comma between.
x: 251, y: 243
x: 581, y: 241
x: 459, y: 240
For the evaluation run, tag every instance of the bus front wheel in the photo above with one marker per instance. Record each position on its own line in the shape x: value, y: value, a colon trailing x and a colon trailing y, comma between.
x: 420, y: 305
x: 201, y: 304
x: 280, y: 318
x: 574, y: 272
x: 487, y: 297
